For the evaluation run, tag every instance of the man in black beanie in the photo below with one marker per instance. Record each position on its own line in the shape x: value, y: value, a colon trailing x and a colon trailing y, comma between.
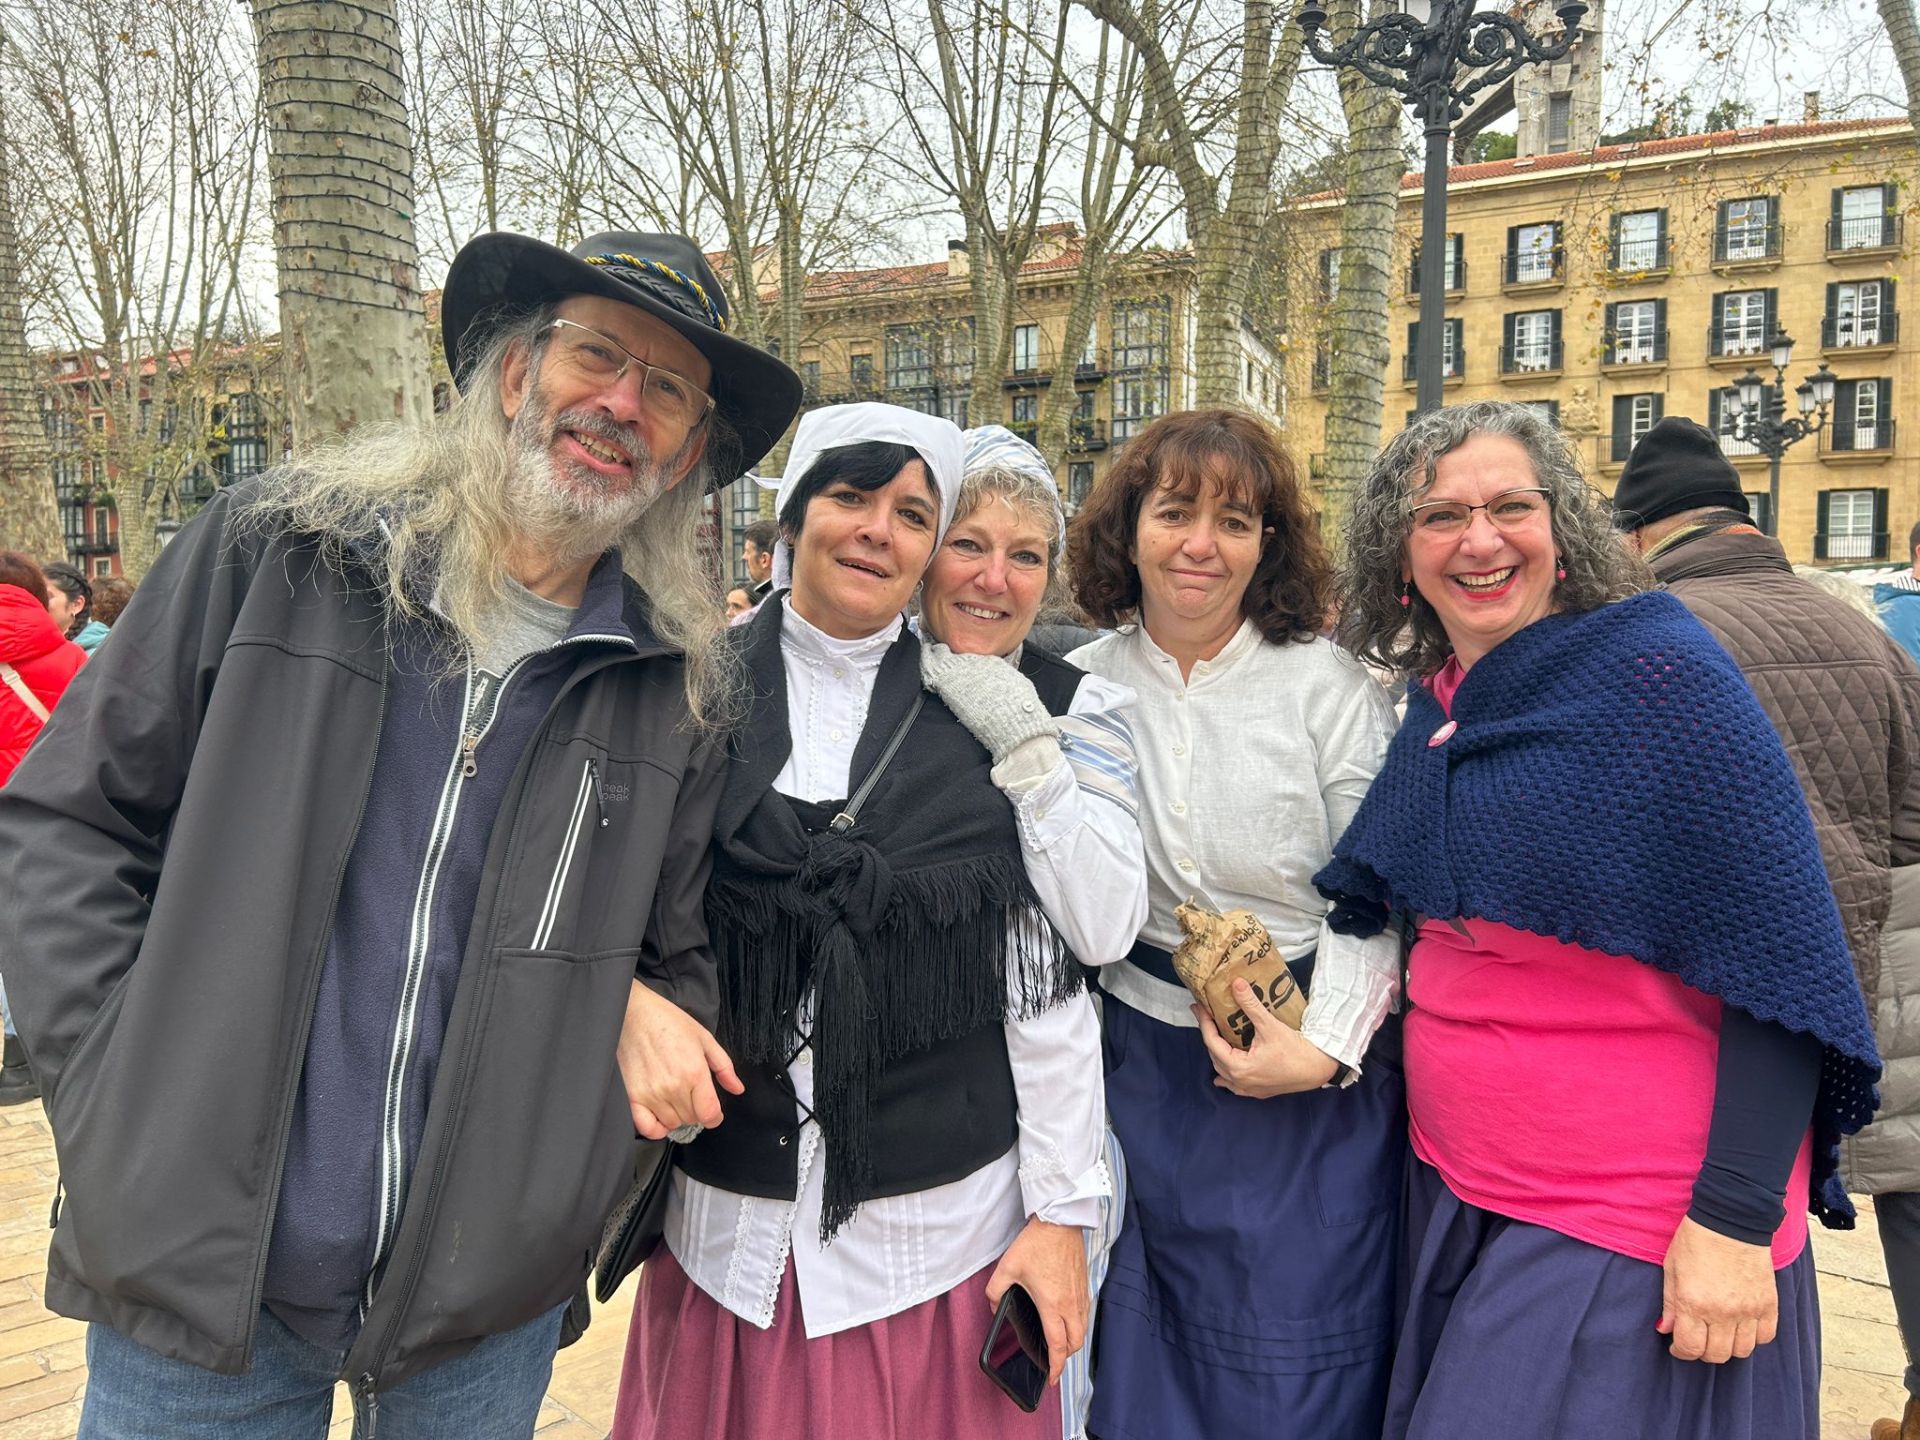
x: 1846, y: 701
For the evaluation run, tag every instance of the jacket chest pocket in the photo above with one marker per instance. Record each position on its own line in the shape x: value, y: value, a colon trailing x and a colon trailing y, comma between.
x: 588, y: 810
x: 592, y: 854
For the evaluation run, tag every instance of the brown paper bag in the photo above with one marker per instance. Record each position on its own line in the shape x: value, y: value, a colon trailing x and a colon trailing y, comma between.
x: 1220, y: 949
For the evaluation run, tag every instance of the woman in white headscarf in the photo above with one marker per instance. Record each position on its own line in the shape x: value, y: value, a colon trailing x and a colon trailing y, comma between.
x: 998, y: 567
x: 917, y: 1118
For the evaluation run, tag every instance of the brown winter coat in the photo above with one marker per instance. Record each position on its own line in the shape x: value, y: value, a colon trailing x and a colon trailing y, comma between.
x: 1846, y: 701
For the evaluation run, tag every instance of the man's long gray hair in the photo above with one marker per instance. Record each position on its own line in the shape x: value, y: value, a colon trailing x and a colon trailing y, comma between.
x: 436, y: 504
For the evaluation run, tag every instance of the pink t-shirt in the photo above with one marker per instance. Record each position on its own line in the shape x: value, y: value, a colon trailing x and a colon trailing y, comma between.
x: 1563, y: 1086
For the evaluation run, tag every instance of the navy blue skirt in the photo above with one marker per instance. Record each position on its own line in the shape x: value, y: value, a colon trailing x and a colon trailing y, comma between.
x: 1512, y: 1329
x: 1251, y: 1290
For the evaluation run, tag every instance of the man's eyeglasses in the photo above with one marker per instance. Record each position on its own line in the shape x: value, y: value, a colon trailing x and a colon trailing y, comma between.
x: 1509, y: 510
x: 603, y: 361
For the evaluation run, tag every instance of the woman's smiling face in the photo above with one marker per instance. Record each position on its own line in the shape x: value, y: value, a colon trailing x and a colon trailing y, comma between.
x: 860, y: 553
x: 1487, y: 581
x: 984, y: 588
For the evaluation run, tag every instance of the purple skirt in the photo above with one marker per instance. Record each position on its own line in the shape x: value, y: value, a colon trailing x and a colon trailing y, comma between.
x: 1511, y: 1329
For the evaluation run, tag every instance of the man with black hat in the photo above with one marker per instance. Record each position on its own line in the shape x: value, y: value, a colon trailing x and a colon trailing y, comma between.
x: 341, y: 883
x: 1846, y: 701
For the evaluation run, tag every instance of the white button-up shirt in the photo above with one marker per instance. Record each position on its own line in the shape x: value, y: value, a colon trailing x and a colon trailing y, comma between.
x: 1082, y: 852
x: 1250, y: 768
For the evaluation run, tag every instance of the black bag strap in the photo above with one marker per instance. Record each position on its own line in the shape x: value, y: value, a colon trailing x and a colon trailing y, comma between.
x: 843, y: 822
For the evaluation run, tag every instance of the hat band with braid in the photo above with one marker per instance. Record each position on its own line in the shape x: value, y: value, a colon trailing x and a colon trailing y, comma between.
x: 643, y: 270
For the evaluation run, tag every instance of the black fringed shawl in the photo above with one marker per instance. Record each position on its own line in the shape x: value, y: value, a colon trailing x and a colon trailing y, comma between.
x: 916, y: 926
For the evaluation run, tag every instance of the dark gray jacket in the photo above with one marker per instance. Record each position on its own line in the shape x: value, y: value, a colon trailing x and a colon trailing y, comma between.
x: 173, y: 850
x: 1846, y: 701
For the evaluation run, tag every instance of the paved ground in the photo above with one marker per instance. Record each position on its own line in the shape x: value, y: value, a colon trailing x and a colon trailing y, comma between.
x: 43, y: 1365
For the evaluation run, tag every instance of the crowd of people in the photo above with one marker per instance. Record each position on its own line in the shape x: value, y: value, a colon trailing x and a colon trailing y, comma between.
x: 433, y: 885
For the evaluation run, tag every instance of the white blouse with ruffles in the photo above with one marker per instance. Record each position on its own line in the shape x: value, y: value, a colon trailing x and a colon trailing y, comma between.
x: 1082, y: 851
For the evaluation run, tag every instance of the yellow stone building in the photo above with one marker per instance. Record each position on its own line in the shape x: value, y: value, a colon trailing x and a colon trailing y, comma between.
x: 904, y: 334
x: 1617, y: 285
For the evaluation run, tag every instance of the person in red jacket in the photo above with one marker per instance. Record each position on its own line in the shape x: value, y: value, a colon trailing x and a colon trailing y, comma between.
x: 40, y: 658
x: 36, y: 662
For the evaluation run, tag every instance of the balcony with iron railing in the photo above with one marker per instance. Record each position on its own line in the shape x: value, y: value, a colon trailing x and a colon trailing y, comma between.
x: 1528, y: 360
x: 1452, y: 367
x: 1854, y: 545
x: 1640, y: 256
x: 1864, y: 233
x: 1857, y: 437
x: 1534, y: 269
x: 1738, y: 342
x: 1859, y: 332
x: 1453, y: 276
x: 1639, y: 348
x: 1087, y: 435
x: 1741, y: 245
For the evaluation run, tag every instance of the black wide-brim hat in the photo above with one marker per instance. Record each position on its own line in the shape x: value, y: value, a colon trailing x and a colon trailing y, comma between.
x: 498, y: 275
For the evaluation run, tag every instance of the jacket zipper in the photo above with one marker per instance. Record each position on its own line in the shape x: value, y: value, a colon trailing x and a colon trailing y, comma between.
x: 480, y: 704
x: 405, y: 1266
x: 284, y: 1129
x: 549, y: 912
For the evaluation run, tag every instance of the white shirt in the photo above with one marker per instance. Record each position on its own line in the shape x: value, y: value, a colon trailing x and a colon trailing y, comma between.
x: 1082, y: 853
x: 1249, y: 771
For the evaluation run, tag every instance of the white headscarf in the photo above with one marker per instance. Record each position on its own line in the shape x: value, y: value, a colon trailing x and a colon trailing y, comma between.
x: 994, y: 447
x: 833, y: 427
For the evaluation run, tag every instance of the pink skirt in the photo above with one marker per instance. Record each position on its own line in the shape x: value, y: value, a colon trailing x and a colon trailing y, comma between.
x: 696, y: 1371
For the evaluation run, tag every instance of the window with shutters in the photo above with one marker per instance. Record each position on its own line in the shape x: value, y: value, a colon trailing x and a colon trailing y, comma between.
x: 1640, y: 240
x: 1740, y: 322
x: 1533, y: 342
x: 246, y: 439
x: 1329, y: 275
x: 1547, y: 410
x: 1760, y: 507
x: 1452, y: 349
x: 1633, y: 417
x: 1726, y: 419
x: 1748, y: 229
x: 1864, y: 218
x: 1636, y: 332
x: 1862, y: 418
x: 1453, y: 266
x: 1533, y: 253
x: 1850, y: 528
x: 1026, y: 410
x: 1859, y: 314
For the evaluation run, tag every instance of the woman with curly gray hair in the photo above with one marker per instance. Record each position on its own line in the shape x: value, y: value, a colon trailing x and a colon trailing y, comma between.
x: 1634, y: 1029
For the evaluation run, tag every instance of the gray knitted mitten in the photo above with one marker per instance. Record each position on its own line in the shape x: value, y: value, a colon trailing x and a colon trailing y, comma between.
x: 987, y: 695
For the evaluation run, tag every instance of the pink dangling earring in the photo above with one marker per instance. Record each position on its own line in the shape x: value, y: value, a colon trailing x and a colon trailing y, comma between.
x: 1560, y: 571
x: 1406, y: 593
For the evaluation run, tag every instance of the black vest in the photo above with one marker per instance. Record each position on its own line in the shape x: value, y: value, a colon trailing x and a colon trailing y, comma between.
x: 939, y: 1112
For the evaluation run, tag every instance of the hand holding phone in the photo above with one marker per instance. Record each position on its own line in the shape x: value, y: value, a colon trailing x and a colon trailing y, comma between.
x: 1015, y: 1355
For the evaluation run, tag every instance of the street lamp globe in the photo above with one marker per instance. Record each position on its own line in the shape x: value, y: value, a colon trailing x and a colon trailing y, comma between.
x: 1781, y: 346
x: 1751, y: 389
x: 1823, y: 382
x: 1804, y: 392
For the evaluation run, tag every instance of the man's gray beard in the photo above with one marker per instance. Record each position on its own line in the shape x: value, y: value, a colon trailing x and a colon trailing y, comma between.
x: 581, y: 516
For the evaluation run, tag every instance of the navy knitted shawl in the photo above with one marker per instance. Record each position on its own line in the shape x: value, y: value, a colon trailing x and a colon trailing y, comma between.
x: 1613, y: 783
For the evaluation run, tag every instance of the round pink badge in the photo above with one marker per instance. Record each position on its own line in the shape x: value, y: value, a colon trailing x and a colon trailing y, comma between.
x: 1443, y: 734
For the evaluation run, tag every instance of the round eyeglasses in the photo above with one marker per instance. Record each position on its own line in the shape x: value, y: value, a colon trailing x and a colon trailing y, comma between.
x: 1509, y: 510
x: 602, y: 360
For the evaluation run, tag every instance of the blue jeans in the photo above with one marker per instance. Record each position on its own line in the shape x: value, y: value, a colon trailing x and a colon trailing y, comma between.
x: 492, y: 1392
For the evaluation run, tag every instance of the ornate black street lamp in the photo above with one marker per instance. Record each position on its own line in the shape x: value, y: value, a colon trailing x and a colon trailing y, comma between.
x: 1436, y: 65
x: 1762, y: 419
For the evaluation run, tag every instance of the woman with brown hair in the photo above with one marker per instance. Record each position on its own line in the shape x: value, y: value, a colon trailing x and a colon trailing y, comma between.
x: 1252, y: 1283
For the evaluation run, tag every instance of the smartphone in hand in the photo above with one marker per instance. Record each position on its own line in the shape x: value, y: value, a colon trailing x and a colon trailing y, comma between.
x: 1015, y: 1355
